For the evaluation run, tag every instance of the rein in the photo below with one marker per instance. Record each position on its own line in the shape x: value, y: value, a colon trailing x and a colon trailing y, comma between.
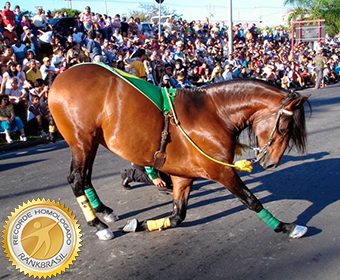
x: 242, y: 165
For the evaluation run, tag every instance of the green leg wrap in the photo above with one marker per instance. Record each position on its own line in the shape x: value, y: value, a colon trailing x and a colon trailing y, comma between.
x: 93, y: 197
x: 268, y: 218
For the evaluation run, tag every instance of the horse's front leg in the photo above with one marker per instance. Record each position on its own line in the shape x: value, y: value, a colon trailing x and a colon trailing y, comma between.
x: 235, y: 185
x: 181, y: 191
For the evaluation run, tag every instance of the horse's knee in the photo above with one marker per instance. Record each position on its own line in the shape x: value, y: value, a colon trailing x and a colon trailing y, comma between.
x: 76, y: 180
x: 250, y: 201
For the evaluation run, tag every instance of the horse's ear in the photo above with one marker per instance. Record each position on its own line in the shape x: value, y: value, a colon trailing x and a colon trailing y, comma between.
x: 289, y: 108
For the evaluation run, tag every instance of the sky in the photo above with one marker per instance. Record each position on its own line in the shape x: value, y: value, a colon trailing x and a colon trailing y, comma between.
x: 267, y: 11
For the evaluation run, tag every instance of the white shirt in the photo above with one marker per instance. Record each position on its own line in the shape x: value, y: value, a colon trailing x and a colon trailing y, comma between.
x: 55, y: 60
x: 44, y: 70
x: 227, y: 75
x: 39, y: 20
x: 46, y: 37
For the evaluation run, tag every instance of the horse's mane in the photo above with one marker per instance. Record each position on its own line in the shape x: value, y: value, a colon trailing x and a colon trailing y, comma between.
x: 297, y: 131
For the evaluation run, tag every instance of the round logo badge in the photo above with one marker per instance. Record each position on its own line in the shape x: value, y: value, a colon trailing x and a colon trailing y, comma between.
x: 42, y: 238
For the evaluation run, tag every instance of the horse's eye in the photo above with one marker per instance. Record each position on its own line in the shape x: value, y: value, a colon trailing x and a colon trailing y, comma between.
x: 282, y: 130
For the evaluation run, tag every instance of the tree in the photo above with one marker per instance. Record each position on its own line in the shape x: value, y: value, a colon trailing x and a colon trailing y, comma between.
x: 317, y: 9
x: 70, y: 12
x: 146, y: 12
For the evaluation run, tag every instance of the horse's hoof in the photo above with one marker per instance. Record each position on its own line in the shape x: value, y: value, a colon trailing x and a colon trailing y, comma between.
x: 112, y: 217
x: 131, y: 226
x: 105, y: 234
x: 298, y: 232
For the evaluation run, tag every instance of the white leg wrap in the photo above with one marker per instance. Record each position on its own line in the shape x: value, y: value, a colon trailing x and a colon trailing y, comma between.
x: 105, y: 234
x: 298, y: 232
x: 112, y: 217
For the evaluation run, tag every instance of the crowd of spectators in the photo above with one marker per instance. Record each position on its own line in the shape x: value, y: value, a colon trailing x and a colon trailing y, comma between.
x: 187, y: 54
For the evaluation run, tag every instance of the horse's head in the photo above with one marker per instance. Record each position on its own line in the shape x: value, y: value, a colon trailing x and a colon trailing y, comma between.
x: 276, y: 130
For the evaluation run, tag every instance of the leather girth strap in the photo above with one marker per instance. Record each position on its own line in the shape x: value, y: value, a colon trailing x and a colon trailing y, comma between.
x: 160, y: 156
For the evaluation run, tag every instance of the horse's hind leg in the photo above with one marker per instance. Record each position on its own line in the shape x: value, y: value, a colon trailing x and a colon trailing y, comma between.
x: 181, y: 191
x: 97, y: 205
x: 81, y: 161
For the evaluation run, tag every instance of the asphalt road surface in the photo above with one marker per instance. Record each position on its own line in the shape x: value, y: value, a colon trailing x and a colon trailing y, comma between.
x: 219, y: 239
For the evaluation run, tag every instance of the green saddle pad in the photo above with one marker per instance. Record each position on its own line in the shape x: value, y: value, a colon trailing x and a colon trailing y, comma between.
x: 155, y: 94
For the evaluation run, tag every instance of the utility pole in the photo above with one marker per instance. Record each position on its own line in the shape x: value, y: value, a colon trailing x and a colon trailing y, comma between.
x: 230, y: 30
x: 69, y: 4
x: 159, y: 17
x: 159, y: 20
x: 106, y: 8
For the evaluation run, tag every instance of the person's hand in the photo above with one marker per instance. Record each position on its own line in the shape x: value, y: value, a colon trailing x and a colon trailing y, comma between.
x: 9, y: 120
x: 158, y: 182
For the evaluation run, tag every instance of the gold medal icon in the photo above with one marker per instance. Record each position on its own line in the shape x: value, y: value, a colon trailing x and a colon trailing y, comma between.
x: 41, y: 238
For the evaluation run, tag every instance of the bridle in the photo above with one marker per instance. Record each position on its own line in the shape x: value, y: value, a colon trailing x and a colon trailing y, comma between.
x: 260, y: 153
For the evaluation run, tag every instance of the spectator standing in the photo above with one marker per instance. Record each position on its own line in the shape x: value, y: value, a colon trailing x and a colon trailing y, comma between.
x: 94, y: 48
x: 86, y: 18
x: 8, y: 16
x: 124, y: 27
x: 319, y: 67
x: 116, y: 23
x: 18, y: 18
x: 39, y: 19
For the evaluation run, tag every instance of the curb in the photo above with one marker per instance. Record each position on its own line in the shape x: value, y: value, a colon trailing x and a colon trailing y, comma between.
x: 21, y: 145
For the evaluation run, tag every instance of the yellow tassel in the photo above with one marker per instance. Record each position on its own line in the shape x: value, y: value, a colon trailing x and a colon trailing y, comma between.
x: 158, y: 224
x: 243, y: 165
x: 86, y: 207
x: 240, y: 147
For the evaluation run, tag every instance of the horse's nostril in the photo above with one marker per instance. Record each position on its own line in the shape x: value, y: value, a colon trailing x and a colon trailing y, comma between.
x: 270, y: 166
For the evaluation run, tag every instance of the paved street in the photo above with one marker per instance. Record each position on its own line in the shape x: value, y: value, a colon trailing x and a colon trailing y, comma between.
x: 219, y: 239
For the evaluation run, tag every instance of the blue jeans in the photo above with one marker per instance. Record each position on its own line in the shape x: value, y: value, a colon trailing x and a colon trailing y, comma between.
x: 16, y: 123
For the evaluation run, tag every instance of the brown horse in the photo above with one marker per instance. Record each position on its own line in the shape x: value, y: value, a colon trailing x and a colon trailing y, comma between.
x: 92, y: 106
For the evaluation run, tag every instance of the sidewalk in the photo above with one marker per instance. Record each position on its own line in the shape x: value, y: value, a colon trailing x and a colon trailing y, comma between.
x: 21, y: 145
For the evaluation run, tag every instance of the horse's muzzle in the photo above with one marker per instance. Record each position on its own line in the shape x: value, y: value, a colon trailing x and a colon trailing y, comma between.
x: 266, y: 162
